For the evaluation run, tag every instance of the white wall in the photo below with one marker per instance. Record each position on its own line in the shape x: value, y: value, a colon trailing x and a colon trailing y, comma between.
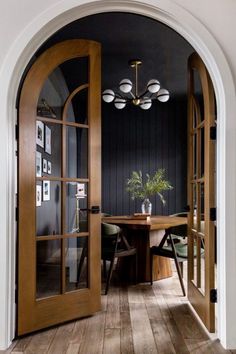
x: 219, y: 18
x: 25, y: 24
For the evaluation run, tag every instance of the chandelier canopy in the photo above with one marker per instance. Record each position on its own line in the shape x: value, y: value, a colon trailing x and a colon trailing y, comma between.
x: 129, y: 93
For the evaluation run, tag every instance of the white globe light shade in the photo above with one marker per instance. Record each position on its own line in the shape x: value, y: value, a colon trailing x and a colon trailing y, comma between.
x: 120, y: 103
x: 108, y: 95
x: 153, y: 86
x: 125, y: 85
x: 146, y: 103
x: 163, y: 95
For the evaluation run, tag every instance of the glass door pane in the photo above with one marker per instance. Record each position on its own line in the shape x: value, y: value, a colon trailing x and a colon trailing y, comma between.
x: 76, y: 207
x: 48, y: 268
x: 52, y: 96
x: 77, y: 152
x: 76, y: 261
x: 62, y: 153
x: 77, y: 110
x: 48, y: 208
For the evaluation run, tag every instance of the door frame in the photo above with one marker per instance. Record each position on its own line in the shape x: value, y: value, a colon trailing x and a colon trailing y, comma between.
x: 184, y: 23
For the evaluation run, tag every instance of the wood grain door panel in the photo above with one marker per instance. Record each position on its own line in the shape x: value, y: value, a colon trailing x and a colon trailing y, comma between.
x: 49, y: 283
x: 201, y: 190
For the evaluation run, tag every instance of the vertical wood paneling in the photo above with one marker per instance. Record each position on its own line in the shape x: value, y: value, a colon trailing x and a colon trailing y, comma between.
x: 180, y: 162
x: 133, y: 139
x: 164, y: 157
x: 172, y: 157
x: 126, y: 161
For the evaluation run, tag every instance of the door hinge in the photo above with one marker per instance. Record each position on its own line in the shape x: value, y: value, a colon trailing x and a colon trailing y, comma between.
x: 16, y: 214
x: 213, y: 296
x: 212, y: 214
x: 16, y: 132
x: 16, y: 296
x: 213, y: 133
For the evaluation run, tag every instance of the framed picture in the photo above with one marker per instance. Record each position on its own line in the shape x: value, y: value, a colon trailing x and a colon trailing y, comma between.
x: 49, y: 167
x: 38, y: 195
x: 38, y: 164
x: 46, y: 191
x: 48, y: 140
x: 45, y: 166
x: 40, y: 133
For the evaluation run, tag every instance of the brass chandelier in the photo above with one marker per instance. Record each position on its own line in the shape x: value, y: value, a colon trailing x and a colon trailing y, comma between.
x: 126, y: 94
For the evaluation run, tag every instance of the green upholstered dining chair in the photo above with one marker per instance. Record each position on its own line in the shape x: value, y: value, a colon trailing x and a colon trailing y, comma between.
x: 170, y: 251
x: 115, y: 245
x: 175, y: 248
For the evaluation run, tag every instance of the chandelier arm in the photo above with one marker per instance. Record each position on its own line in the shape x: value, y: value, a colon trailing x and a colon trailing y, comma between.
x: 144, y: 93
x: 136, y: 80
x: 118, y: 95
x: 127, y: 99
x: 131, y: 93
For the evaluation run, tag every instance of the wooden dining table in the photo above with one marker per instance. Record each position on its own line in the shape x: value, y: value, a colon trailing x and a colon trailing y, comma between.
x: 143, y: 234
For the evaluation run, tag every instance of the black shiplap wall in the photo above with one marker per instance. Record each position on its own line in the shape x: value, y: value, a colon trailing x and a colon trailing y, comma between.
x: 133, y: 139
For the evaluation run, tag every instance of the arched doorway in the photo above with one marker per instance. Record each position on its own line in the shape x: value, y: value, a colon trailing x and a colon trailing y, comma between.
x: 207, y: 47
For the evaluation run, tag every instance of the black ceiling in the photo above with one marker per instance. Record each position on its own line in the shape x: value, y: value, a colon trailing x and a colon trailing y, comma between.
x: 125, y: 36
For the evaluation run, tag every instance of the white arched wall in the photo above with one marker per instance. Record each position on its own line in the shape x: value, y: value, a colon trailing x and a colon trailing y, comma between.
x: 50, y: 18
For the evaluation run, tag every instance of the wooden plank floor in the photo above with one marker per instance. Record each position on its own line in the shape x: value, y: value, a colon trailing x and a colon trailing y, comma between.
x: 136, y: 319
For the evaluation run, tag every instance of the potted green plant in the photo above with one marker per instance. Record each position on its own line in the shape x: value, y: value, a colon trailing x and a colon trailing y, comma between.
x: 143, y: 190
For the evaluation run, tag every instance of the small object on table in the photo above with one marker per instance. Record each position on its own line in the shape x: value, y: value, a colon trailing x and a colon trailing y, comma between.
x: 140, y: 216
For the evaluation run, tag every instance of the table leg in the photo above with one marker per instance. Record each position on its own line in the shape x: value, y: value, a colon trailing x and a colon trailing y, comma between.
x: 161, y: 265
x: 143, y: 239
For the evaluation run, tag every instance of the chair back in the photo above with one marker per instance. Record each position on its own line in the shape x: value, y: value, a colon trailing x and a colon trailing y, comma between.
x: 110, y: 236
x: 181, y: 230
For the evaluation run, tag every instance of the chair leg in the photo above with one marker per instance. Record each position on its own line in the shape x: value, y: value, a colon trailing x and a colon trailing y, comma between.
x: 136, y: 268
x: 109, y: 276
x: 177, y: 265
x: 151, y: 266
x: 104, y: 268
x: 179, y: 275
x: 181, y: 268
x: 81, y: 262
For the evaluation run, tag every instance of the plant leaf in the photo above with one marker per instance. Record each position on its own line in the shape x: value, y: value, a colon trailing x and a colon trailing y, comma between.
x: 154, y: 185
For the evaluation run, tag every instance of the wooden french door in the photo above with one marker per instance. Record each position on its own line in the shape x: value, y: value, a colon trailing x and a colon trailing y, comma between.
x: 59, y: 187
x: 201, y: 190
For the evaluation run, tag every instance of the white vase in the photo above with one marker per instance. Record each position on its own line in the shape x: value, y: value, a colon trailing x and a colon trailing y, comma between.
x: 146, y: 206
